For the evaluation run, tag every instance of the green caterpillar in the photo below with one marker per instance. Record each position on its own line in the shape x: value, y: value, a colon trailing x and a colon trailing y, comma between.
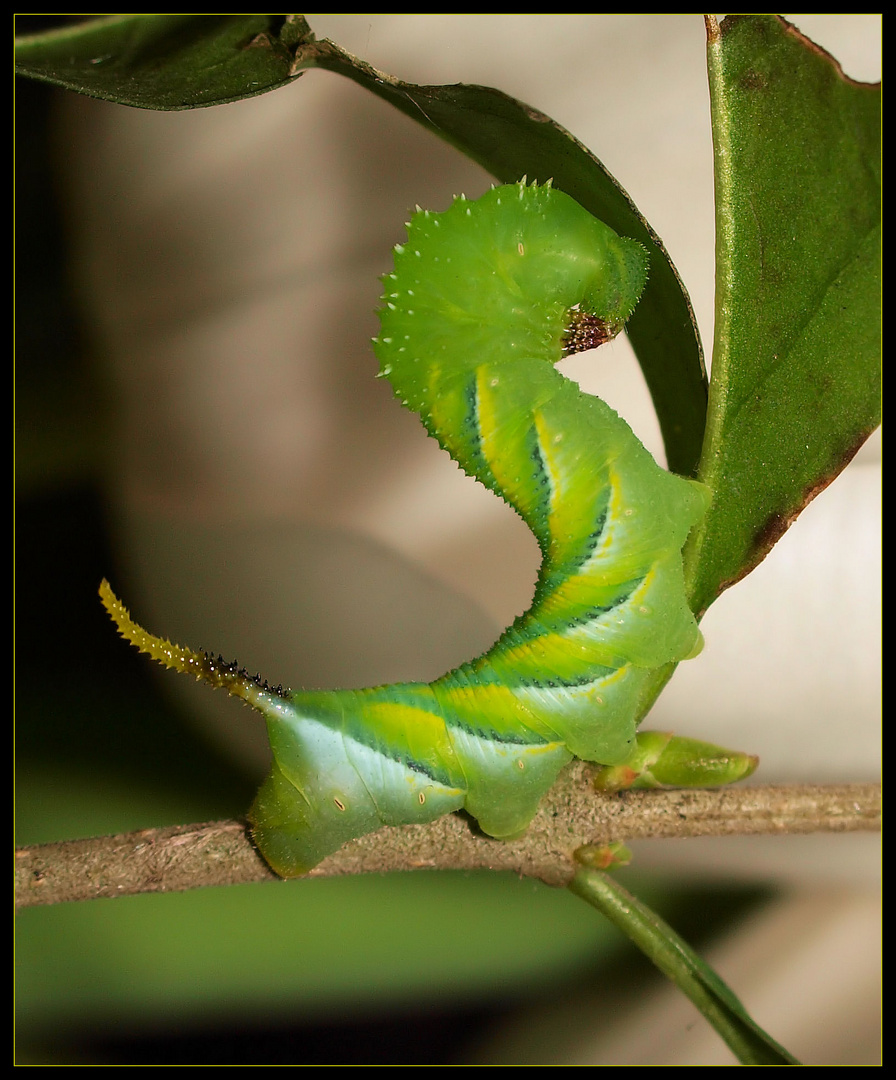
x: 485, y: 298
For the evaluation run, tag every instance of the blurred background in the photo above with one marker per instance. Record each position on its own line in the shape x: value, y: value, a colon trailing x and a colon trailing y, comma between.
x: 197, y: 419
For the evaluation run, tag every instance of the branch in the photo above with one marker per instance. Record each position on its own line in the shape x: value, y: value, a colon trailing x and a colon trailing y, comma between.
x: 221, y: 853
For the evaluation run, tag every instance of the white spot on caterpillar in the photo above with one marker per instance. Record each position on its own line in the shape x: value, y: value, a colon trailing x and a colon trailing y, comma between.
x: 399, y: 250
x: 339, y: 804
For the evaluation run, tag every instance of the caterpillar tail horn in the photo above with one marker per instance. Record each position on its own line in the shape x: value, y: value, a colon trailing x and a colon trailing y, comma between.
x: 213, y: 670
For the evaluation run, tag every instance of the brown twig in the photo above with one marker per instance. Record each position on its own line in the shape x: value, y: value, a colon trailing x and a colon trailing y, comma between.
x: 221, y: 852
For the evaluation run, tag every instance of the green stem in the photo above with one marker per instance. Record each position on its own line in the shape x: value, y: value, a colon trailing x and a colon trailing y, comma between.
x: 677, y: 960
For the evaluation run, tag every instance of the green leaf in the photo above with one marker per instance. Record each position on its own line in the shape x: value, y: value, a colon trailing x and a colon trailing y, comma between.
x: 796, y: 361
x: 676, y: 959
x: 188, y: 61
x: 166, y: 61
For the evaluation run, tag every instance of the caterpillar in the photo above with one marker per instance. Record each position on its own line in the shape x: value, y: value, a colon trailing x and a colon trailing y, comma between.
x: 484, y: 299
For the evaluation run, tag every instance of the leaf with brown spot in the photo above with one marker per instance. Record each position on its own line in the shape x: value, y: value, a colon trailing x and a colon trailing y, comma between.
x: 796, y: 372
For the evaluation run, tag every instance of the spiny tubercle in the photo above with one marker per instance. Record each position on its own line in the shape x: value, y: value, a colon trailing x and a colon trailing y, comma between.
x: 218, y: 672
